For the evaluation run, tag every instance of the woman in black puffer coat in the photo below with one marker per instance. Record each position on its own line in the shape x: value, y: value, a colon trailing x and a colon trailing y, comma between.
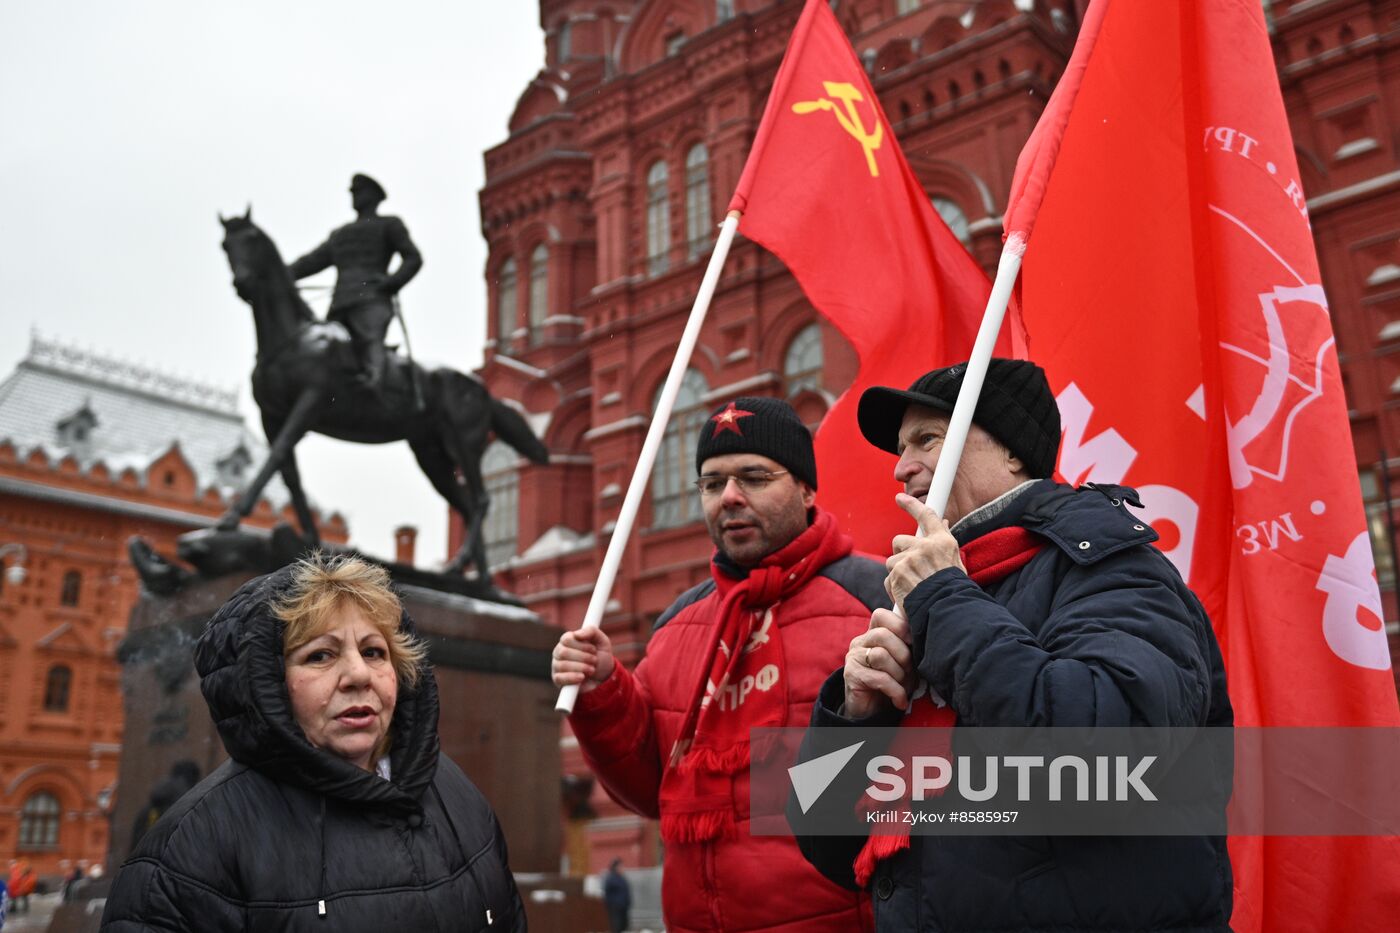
x: 337, y: 811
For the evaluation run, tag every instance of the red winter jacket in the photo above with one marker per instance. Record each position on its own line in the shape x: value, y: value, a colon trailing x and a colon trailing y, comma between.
x: 623, y: 726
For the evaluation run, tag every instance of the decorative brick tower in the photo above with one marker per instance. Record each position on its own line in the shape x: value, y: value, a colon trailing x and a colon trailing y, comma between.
x: 601, y: 206
x: 600, y: 209
x: 1339, y: 66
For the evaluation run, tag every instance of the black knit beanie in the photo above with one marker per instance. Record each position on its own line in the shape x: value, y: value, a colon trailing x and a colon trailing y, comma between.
x: 768, y: 427
x: 1015, y: 407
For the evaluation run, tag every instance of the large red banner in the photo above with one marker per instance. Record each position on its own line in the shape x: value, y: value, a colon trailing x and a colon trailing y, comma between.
x: 827, y: 190
x: 1171, y: 291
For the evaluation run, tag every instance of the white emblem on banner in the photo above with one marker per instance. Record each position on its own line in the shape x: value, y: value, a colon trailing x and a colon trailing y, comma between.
x: 1350, y: 586
x: 1275, y: 408
x: 1106, y: 457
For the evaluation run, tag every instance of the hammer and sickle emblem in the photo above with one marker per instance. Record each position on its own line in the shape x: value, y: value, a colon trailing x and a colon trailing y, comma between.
x: 760, y: 638
x: 850, y: 120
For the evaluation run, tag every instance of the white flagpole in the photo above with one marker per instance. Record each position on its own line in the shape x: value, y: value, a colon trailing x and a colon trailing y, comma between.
x: 607, y: 573
x: 961, y: 420
x: 1008, y: 267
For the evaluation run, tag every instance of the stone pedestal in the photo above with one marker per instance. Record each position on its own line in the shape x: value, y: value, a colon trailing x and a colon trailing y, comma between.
x: 497, y: 721
x: 166, y: 719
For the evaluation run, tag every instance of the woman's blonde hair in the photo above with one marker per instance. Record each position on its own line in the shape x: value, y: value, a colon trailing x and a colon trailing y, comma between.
x: 322, y: 586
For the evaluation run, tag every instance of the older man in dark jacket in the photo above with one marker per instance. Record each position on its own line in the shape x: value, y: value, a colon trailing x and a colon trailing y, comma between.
x: 1077, y: 621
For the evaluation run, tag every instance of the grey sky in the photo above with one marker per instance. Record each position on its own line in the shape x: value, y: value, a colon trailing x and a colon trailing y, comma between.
x: 126, y: 126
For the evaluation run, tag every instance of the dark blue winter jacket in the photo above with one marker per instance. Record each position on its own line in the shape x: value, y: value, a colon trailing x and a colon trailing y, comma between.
x: 1098, y: 629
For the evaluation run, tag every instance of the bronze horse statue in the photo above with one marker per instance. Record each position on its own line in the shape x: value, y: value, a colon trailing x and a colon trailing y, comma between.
x: 305, y: 380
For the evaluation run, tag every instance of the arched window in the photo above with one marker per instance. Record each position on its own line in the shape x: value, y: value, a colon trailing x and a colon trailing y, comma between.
x: 499, y: 468
x: 539, y: 292
x: 674, y: 500
x: 56, y: 688
x: 72, y: 588
x: 38, y: 822
x: 565, y: 47
x: 724, y: 10
x: 658, y: 219
x: 1376, y: 520
x: 802, y: 364
x: 954, y: 217
x: 698, y: 221
x: 506, y: 305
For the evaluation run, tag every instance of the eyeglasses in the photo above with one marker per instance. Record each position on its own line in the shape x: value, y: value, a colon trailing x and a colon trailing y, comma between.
x: 712, y: 484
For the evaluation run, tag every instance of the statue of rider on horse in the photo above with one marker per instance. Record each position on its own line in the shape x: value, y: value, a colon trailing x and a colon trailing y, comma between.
x: 334, y: 377
x: 364, y: 296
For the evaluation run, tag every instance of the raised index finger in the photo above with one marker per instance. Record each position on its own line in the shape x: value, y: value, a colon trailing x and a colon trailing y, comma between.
x: 928, y: 519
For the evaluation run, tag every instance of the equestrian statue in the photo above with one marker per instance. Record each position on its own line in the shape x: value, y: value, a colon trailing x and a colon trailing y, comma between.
x: 365, y: 292
x: 333, y: 377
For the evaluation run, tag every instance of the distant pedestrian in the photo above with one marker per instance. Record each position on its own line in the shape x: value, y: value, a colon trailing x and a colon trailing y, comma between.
x: 70, y: 881
x: 617, y: 895
x: 21, y: 884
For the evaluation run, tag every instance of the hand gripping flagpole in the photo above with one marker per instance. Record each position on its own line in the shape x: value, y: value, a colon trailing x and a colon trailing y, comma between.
x: 622, y: 530
x: 1033, y: 169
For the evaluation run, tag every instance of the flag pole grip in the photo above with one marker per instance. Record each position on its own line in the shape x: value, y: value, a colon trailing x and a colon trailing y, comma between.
x: 622, y: 529
x: 961, y: 420
x: 1008, y: 267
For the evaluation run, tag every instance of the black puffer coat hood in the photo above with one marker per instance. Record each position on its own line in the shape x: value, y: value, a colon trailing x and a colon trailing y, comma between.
x: 240, y: 662
x: 286, y: 836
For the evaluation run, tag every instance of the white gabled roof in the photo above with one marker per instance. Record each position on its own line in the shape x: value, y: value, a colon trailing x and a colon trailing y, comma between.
x: 140, y: 414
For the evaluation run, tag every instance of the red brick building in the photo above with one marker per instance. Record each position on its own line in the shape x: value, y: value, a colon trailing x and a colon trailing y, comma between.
x: 601, y: 205
x: 92, y: 451
x: 1339, y: 66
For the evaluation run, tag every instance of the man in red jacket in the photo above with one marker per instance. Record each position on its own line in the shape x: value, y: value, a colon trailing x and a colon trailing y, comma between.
x: 745, y: 649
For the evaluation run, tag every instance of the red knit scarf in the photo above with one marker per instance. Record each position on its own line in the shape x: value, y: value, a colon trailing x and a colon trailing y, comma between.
x: 989, y: 558
x: 742, y: 685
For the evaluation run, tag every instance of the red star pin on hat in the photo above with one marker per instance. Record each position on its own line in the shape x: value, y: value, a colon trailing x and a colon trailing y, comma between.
x: 728, y: 420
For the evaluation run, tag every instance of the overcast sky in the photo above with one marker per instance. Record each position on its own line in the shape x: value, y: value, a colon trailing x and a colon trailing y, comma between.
x: 125, y: 127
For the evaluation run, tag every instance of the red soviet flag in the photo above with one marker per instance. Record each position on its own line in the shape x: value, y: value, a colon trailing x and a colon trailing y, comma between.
x: 826, y: 189
x: 1172, y: 291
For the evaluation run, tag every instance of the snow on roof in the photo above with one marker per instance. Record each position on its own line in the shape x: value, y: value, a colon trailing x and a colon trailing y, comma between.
x: 137, y: 415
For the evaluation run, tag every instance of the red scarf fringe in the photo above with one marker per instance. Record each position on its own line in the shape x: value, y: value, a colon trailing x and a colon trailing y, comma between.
x: 877, y: 849
x: 700, y: 826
